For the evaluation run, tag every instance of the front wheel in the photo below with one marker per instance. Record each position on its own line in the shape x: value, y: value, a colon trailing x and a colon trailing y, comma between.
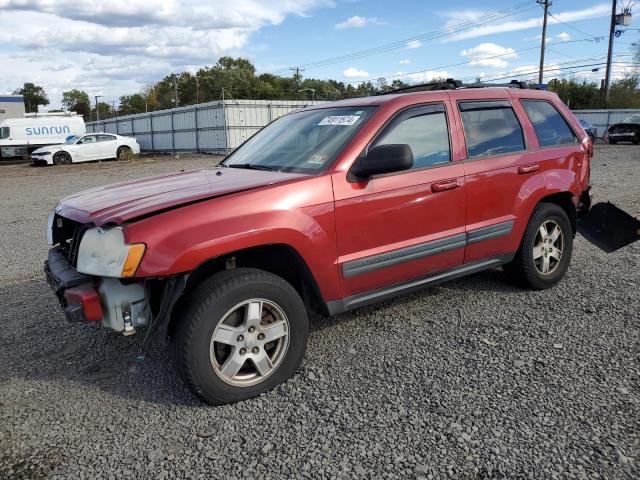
x: 62, y: 158
x: 245, y: 332
x: 545, y: 252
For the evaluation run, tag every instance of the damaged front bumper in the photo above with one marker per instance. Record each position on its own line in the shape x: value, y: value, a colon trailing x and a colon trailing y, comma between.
x: 119, y: 305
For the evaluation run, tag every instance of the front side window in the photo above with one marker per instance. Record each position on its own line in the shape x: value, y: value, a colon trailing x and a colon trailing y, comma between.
x: 4, y: 132
x: 550, y: 127
x: 306, y: 141
x: 425, y: 130
x: 491, y: 128
x: 88, y: 139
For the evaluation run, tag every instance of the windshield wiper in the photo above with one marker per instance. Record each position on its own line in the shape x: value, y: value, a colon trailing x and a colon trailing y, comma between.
x: 251, y: 166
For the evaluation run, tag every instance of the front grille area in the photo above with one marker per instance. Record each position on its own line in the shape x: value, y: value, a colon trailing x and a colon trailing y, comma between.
x: 68, y: 234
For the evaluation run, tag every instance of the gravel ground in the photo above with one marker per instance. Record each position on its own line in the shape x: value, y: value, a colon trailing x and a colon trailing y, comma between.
x: 473, y: 379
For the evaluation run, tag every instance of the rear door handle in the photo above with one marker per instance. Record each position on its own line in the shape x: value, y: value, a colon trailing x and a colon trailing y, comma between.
x: 444, y: 186
x: 532, y: 167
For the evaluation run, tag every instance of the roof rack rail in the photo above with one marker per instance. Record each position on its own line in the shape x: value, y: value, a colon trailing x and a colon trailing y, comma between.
x: 452, y: 84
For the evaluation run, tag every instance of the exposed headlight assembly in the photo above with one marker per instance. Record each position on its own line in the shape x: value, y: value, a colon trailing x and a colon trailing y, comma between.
x: 103, y: 253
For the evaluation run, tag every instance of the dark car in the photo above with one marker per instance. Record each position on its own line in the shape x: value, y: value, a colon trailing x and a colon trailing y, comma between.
x: 590, y: 129
x: 626, y: 131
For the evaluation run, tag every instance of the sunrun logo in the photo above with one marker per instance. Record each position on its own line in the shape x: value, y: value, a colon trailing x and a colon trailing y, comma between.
x: 47, y: 130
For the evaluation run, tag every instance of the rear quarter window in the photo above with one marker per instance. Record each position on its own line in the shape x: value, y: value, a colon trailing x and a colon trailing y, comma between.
x: 551, y: 128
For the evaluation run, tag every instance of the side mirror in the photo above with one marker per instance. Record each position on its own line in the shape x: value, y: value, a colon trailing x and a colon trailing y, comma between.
x: 384, y: 159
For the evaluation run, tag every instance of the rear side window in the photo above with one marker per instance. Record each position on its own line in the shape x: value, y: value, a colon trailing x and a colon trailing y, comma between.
x: 550, y: 127
x: 4, y: 132
x: 425, y: 130
x: 490, y: 128
x: 106, y: 138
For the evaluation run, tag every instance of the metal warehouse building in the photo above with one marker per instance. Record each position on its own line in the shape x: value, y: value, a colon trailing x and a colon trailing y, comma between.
x: 11, y: 106
x: 215, y: 127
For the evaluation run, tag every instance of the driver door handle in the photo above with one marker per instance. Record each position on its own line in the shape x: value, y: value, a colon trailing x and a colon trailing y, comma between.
x: 445, y: 185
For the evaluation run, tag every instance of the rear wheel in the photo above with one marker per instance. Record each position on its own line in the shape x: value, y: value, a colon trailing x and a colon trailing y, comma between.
x: 123, y: 153
x: 545, y: 252
x: 244, y: 332
x: 62, y: 158
x: 636, y: 139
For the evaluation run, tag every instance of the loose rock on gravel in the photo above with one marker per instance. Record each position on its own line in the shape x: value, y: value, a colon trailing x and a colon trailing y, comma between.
x: 474, y: 379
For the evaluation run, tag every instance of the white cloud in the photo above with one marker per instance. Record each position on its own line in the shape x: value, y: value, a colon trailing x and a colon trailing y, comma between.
x: 120, y: 45
x: 564, y: 37
x: 355, y: 22
x: 404, y: 62
x: 489, y: 55
x: 414, y: 44
x: 354, y: 72
x: 427, y: 76
x: 500, y: 26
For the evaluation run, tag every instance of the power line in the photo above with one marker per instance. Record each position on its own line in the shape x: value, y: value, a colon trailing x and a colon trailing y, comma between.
x: 417, y: 72
x: 589, y: 35
x: 505, y: 13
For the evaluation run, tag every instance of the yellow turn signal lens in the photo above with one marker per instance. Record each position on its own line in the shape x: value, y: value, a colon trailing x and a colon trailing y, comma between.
x: 134, y: 257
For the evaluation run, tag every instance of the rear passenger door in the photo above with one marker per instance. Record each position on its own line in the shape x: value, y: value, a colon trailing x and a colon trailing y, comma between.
x: 403, y: 225
x: 108, y: 146
x: 496, y: 167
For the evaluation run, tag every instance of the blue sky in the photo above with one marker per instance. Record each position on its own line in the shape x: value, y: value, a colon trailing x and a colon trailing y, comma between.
x: 117, y: 47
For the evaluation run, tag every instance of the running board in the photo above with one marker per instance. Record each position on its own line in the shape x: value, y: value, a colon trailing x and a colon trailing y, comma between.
x: 374, y: 296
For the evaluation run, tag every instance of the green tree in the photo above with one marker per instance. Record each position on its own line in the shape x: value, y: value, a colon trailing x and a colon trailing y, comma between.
x: 106, y: 111
x: 625, y: 92
x: 34, y: 96
x: 130, y: 104
x: 577, y: 94
x: 77, y: 101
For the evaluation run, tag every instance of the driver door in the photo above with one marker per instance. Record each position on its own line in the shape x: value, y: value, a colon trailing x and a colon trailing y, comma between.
x: 403, y: 225
x: 87, y: 149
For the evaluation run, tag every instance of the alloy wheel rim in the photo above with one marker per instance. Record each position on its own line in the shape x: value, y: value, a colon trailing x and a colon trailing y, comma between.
x: 249, y: 343
x: 548, y: 247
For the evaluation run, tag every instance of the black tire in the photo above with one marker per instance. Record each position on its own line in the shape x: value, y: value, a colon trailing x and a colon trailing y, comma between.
x: 62, y: 158
x: 123, y: 153
x: 523, y: 271
x: 612, y: 141
x: 207, y: 306
x: 636, y: 140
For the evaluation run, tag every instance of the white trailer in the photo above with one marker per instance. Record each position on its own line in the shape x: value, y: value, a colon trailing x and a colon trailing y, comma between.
x: 20, y: 136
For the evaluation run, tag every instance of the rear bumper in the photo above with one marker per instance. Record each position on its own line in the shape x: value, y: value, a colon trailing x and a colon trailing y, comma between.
x: 121, y: 307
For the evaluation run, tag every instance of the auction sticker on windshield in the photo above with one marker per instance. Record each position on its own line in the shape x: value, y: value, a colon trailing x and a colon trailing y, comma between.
x: 339, y: 120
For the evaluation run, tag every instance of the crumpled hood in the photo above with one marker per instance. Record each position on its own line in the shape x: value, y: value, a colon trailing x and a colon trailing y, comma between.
x: 124, y: 201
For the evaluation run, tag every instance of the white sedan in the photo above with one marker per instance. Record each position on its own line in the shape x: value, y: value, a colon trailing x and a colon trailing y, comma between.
x: 85, y: 148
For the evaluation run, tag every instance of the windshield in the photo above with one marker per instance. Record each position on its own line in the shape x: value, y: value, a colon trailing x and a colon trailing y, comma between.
x: 306, y: 141
x: 4, y: 132
x: 632, y: 119
x: 71, y: 139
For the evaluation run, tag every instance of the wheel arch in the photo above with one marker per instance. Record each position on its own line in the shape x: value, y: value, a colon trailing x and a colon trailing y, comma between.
x: 565, y: 201
x: 279, y: 259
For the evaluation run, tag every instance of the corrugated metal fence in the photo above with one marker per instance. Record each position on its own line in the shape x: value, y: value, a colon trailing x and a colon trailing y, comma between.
x: 603, y: 119
x: 215, y: 127
x: 219, y: 127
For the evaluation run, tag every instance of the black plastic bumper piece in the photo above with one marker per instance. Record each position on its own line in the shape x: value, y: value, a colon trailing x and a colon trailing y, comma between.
x: 61, y: 274
x: 608, y: 227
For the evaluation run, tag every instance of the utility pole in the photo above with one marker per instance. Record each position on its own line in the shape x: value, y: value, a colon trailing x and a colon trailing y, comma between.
x: 612, y: 32
x: 97, y: 108
x: 546, y: 4
x: 175, y: 89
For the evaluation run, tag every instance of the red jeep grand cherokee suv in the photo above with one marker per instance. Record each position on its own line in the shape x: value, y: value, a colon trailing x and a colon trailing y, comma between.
x: 325, y: 209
